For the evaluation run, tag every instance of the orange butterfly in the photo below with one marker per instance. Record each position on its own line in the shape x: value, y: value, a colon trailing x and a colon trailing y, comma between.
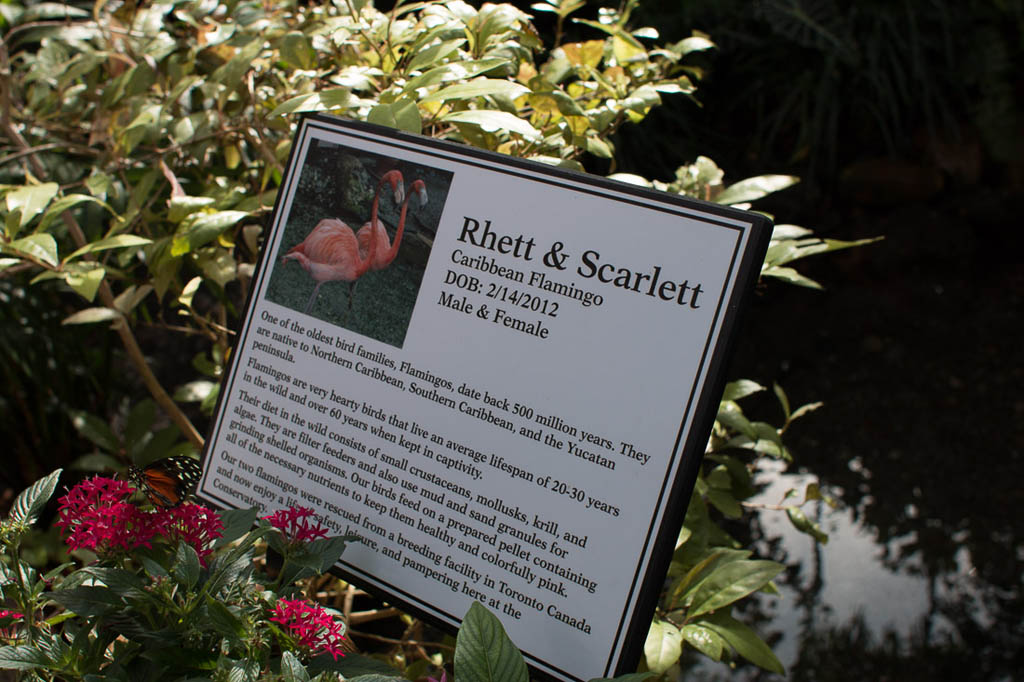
x: 166, y: 482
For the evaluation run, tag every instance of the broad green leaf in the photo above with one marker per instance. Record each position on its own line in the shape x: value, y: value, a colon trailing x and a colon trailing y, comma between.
x: 492, y: 121
x: 478, y: 87
x: 790, y: 250
x: 85, y: 280
x: 453, y: 71
x: 62, y: 204
x: 291, y: 669
x: 704, y: 640
x: 30, y: 200
x: 237, y: 522
x: 403, y: 114
x: 186, y: 565
x: 780, y: 232
x: 32, y: 500
x: 223, y: 620
x: 296, y: 50
x: 200, y: 229
x: 744, y: 640
x: 725, y: 502
x: 737, y: 390
x: 89, y: 602
x: 731, y: 582
x: 182, y: 206
x: 434, y: 54
x: 663, y: 646
x: 42, y: 247
x: 751, y: 189
x: 91, y: 315
x: 23, y: 657
x: 484, y: 653
x: 335, y: 98
x: 96, y: 430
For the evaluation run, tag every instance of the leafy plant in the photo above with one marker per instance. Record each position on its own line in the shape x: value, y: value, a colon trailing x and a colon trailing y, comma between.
x: 143, y: 148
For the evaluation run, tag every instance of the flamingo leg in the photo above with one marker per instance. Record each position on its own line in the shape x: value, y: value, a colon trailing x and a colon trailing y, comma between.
x: 312, y: 297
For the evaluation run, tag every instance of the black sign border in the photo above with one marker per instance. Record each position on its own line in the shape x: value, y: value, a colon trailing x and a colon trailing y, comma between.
x: 703, y: 399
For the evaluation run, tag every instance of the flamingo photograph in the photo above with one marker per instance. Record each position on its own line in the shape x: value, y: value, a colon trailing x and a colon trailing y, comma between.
x: 357, y: 240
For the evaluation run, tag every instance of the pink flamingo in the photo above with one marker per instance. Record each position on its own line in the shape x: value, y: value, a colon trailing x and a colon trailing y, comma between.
x: 330, y: 252
x: 376, y: 232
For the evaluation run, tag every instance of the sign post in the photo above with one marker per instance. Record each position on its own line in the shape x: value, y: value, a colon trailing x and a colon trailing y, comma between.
x: 510, y: 410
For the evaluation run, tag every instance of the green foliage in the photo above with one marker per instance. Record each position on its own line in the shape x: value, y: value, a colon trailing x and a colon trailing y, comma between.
x: 144, y: 144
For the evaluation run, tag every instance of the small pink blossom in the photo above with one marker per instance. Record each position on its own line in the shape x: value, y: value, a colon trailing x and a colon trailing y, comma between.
x: 15, y: 615
x: 192, y: 523
x: 96, y: 515
x: 293, y: 523
x: 310, y: 625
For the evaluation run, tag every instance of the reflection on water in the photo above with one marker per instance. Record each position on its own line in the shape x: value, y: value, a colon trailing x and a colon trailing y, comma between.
x: 848, y: 611
x: 915, y: 347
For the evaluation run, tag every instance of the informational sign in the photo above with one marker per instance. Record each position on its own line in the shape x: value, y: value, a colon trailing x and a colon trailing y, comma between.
x: 504, y: 384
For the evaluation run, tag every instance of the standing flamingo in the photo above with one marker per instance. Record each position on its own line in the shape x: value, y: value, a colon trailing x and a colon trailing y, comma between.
x: 375, y: 231
x: 330, y: 252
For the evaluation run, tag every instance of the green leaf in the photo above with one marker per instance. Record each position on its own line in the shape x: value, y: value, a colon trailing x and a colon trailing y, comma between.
x: 704, y: 640
x: 90, y: 315
x: 89, y: 602
x: 85, y: 279
x: 783, y: 399
x: 297, y: 51
x: 755, y: 188
x: 291, y: 669
x: 186, y: 565
x: 791, y: 276
x: 736, y: 390
x: 731, y: 582
x: 403, y: 114
x: 200, y: 229
x: 119, y: 241
x: 453, y: 71
x: 663, y: 646
x: 484, y: 653
x: 64, y: 203
x: 23, y: 657
x: 223, y: 620
x: 40, y: 246
x: 478, y: 87
x: 355, y: 667
x: 96, y: 430
x: 334, y: 98
x: 180, y: 207
x: 194, y: 391
x: 31, y: 501
x: 725, y: 502
x: 803, y: 524
x: 434, y: 54
x: 237, y: 522
x: 745, y: 641
x: 492, y: 121
x: 30, y: 200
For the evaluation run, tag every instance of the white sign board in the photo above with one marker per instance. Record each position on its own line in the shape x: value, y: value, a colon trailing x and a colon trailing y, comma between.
x: 509, y: 406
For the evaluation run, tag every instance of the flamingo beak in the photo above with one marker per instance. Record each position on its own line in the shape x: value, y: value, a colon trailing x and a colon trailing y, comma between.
x: 422, y: 191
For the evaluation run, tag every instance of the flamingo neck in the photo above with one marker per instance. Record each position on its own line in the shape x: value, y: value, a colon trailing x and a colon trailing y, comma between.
x: 393, y: 251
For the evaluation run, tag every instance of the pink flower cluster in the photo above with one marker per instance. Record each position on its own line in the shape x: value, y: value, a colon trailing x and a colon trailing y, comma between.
x: 310, y: 625
x: 96, y: 515
x: 295, y: 526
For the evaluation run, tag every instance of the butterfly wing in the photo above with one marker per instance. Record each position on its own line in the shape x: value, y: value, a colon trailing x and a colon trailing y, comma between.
x: 167, y: 482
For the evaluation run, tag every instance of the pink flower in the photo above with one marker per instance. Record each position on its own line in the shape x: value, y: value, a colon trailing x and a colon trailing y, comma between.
x: 4, y: 613
x: 310, y: 625
x: 192, y: 523
x: 96, y: 515
x: 295, y: 527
